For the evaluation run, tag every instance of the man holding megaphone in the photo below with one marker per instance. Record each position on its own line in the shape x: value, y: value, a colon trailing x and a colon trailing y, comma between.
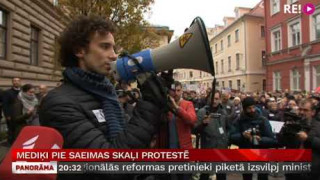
x: 85, y: 108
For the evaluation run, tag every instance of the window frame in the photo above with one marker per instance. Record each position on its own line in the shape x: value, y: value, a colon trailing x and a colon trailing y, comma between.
x: 32, y: 42
x: 273, y: 45
x: 272, y: 10
x: 5, y: 16
x: 290, y: 32
x: 312, y: 25
x: 276, y: 80
x: 237, y: 35
x: 293, y: 79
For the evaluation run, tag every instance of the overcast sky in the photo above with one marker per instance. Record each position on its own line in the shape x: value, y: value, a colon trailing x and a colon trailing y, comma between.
x: 178, y: 14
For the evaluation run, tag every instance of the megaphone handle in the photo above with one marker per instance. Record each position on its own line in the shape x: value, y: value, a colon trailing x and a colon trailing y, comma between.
x: 136, y: 62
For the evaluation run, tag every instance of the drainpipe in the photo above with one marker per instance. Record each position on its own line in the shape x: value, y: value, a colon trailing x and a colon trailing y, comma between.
x: 245, y: 53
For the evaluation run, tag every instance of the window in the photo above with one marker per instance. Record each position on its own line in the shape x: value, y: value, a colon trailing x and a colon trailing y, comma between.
x: 238, y: 84
x: 237, y: 61
x: 229, y: 64
x: 236, y: 34
x: 34, y: 49
x: 190, y: 74
x: 200, y: 74
x: 294, y: 33
x: 276, y: 40
x: 55, y: 2
x: 275, y: 6
x: 263, y: 57
x: 315, y: 26
x: 292, y: 1
x: 217, y: 68
x: 230, y: 84
x: 263, y: 33
x: 217, y: 83
x: 276, y: 81
x: 222, y: 70
x: 229, y: 40
x: 317, y: 77
x: 3, y: 34
x: 221, y: 43
x: 216, y: 48
x: 295, y: 80
x: 222, y: 84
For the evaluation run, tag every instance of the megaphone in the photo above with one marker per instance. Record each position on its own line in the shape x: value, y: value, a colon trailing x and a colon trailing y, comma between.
x: 189, y: 51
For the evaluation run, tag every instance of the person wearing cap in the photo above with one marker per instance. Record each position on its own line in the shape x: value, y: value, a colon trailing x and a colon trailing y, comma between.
x: 252, y: 131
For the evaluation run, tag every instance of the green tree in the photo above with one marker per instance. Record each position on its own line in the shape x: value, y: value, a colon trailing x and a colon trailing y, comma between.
x: 128, y: 16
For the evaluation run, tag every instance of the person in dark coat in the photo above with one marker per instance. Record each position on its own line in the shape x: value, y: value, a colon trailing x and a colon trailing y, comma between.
x: 85, y: 108
x: 1, y: 96
x: 272, y: 113
x: 212, y: 127
x: 24, y: 109
x: 252, y: 131
x: 312, y: 140
x: 9, y: 97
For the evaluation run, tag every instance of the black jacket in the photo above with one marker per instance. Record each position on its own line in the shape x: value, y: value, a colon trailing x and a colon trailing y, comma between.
x: 70, y: 110
x: 8, y: 99
x: 272, y: 115
x: 1, y: 97
x: 246, y: 123
x: 214, y: 134
x: 313, y: 142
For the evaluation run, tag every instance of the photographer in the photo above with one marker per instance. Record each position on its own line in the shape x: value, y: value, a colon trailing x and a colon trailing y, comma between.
x: 252, y: 131
x: 212, y: 126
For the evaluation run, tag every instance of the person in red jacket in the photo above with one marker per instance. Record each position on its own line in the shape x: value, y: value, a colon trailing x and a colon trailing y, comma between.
x: 175, y: 133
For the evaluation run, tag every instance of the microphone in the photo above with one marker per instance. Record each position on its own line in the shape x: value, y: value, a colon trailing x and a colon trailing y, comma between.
x: 31, y: 137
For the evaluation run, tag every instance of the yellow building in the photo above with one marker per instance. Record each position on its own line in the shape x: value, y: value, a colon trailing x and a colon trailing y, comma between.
x: 239, y: 50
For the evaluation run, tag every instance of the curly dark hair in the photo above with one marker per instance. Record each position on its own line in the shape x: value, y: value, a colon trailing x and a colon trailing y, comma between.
x: 78, y: 34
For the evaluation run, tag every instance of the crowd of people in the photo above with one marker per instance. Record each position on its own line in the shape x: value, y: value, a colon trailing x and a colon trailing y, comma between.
x: 19, y: 105
x: 90, y: 112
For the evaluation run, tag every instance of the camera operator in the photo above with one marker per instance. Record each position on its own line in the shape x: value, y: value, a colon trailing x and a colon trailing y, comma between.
x: 212, y: 127
x: 311, y: 139
x: 252, y: 131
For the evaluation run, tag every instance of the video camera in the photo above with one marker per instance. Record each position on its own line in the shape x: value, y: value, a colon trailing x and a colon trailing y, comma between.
x: 254, y: 131
x: 288, y: 134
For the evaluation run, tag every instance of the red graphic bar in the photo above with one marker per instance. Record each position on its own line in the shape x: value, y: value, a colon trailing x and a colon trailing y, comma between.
x: 204, y: 155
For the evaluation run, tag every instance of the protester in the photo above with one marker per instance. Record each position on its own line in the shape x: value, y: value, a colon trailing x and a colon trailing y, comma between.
x: 24, y: 109
x: 252, y: 131
x: 175, y: 133
x: 85, y: 108
x: 43, y: 90
x: 9, y: 97
x: 212, y: 126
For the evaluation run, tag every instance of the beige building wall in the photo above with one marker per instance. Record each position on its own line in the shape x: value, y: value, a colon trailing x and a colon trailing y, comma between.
x: 250, y: 74
x: 21, y: 16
